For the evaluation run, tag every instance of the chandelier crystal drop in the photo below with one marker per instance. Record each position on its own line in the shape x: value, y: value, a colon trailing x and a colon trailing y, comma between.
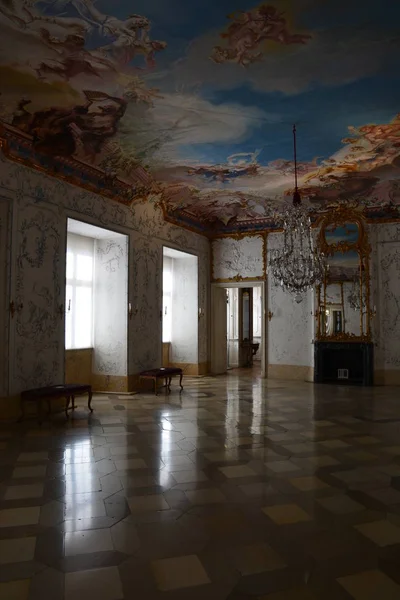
x: 298, y: 265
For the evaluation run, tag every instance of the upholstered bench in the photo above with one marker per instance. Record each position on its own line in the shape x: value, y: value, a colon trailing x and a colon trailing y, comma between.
x: 53, y: 392
x: 165, y: 373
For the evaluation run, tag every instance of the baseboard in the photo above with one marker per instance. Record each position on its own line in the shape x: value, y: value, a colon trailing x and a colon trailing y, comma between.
x: 291, y: 372
x: 190, y: 369
x: 204, y: 368
x: 78, y: 365
x: 387, y: 377
x: 110, y: 383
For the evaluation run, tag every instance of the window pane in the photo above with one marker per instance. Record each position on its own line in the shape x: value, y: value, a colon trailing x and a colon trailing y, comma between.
x: 167, y: 318
x: 68, y: 317
x: 167, y: 281
x: 70, y: 265
x: 83, y: 318
x: 84, y: 267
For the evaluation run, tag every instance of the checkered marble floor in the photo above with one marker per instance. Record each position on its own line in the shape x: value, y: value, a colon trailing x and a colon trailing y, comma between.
x: 236, y: 489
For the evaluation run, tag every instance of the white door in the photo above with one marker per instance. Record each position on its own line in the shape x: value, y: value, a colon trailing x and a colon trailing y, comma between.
x: 5, y: 225
x: 37, y: 293
x: 219, y: 331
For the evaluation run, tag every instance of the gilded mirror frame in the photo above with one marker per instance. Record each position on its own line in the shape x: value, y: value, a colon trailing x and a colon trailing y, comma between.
x: 339, y: 218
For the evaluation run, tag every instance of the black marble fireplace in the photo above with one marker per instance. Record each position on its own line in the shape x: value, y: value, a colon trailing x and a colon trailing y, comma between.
x: 349, y: 363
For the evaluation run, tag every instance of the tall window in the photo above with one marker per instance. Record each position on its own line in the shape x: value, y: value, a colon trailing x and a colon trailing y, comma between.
x: 79, y: 292
x: 167, y: 298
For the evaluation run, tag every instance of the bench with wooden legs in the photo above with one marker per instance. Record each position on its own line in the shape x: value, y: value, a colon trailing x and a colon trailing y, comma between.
x: 53, y: 392
x: 165, y: 373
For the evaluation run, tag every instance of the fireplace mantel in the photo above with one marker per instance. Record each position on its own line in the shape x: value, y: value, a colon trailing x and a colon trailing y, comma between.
x: 334, y: 360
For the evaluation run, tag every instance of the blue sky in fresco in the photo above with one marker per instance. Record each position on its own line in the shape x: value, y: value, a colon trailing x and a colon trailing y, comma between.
x: 322, y: 108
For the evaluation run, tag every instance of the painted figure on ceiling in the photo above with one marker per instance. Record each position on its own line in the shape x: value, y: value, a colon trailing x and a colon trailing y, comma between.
x: 249, y: 30
x: 73, y: 59
x: 123, y: 40
x: 80, y: 130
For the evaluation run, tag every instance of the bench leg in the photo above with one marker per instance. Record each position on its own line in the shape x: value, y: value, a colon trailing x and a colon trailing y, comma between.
x: 67, y: 401
x: 73, y: 402
x: 90, y: 401
x: 180, y: 381
x: 168, y: 384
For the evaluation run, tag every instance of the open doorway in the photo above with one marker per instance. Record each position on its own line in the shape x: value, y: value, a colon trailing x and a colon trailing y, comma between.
x: 180, y: 310
x: 237, y: 340
x: 96, y: 307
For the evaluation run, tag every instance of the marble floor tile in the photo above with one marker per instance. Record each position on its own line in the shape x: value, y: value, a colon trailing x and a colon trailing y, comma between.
x: 123, y: 450
x: 15, y: 590
x: 205, y: 496
x: 323, y: 460
x: 26, y: 472
x: 237, y: 471
x: 282, y: 466
x: 179, y: 572
x: 256, y: 558
x: 17, y: 550
x: 79, y: 483
x: 360, y: 456
x: 189, y: 476
x: 126, y: 464
x: 296, y: 593
x: 33, y: 456
x: 16, y: 517
x: 370, y: 585
x: 84, y: 542
x: 149, y: 503
x: 395, y: 450
x: 238, y: 488
x: 19, y: 492
x: 308, y: 484
x: 286, y: 514
x: 334, y: 444
x: 366, y: 440
x: 341, y: 504
x: 100, y: 584
x: 83, y: 508
x: 383, y: 533
x: 386, y: 495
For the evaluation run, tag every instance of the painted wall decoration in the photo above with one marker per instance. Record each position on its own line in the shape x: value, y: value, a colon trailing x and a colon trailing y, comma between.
x: 386, y: 296
x: 41, y: 205
x: 238, y: 259
x: 196, y: 104
x: 291, y: 328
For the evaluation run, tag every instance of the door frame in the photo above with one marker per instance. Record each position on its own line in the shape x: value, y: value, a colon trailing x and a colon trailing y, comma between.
x: 246, y: 284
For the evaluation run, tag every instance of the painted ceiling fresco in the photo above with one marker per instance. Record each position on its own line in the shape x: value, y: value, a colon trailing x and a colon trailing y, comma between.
x: 195, y: 101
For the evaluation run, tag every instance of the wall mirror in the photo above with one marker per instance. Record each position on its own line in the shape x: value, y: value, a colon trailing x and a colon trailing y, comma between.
x: 343, y: 299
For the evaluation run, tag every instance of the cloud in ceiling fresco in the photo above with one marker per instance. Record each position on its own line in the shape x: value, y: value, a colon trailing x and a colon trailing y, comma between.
x: 331, y: 57
x: 196, y: 101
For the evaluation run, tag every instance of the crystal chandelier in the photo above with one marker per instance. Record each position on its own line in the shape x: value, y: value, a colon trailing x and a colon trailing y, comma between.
x: 298, y: 266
